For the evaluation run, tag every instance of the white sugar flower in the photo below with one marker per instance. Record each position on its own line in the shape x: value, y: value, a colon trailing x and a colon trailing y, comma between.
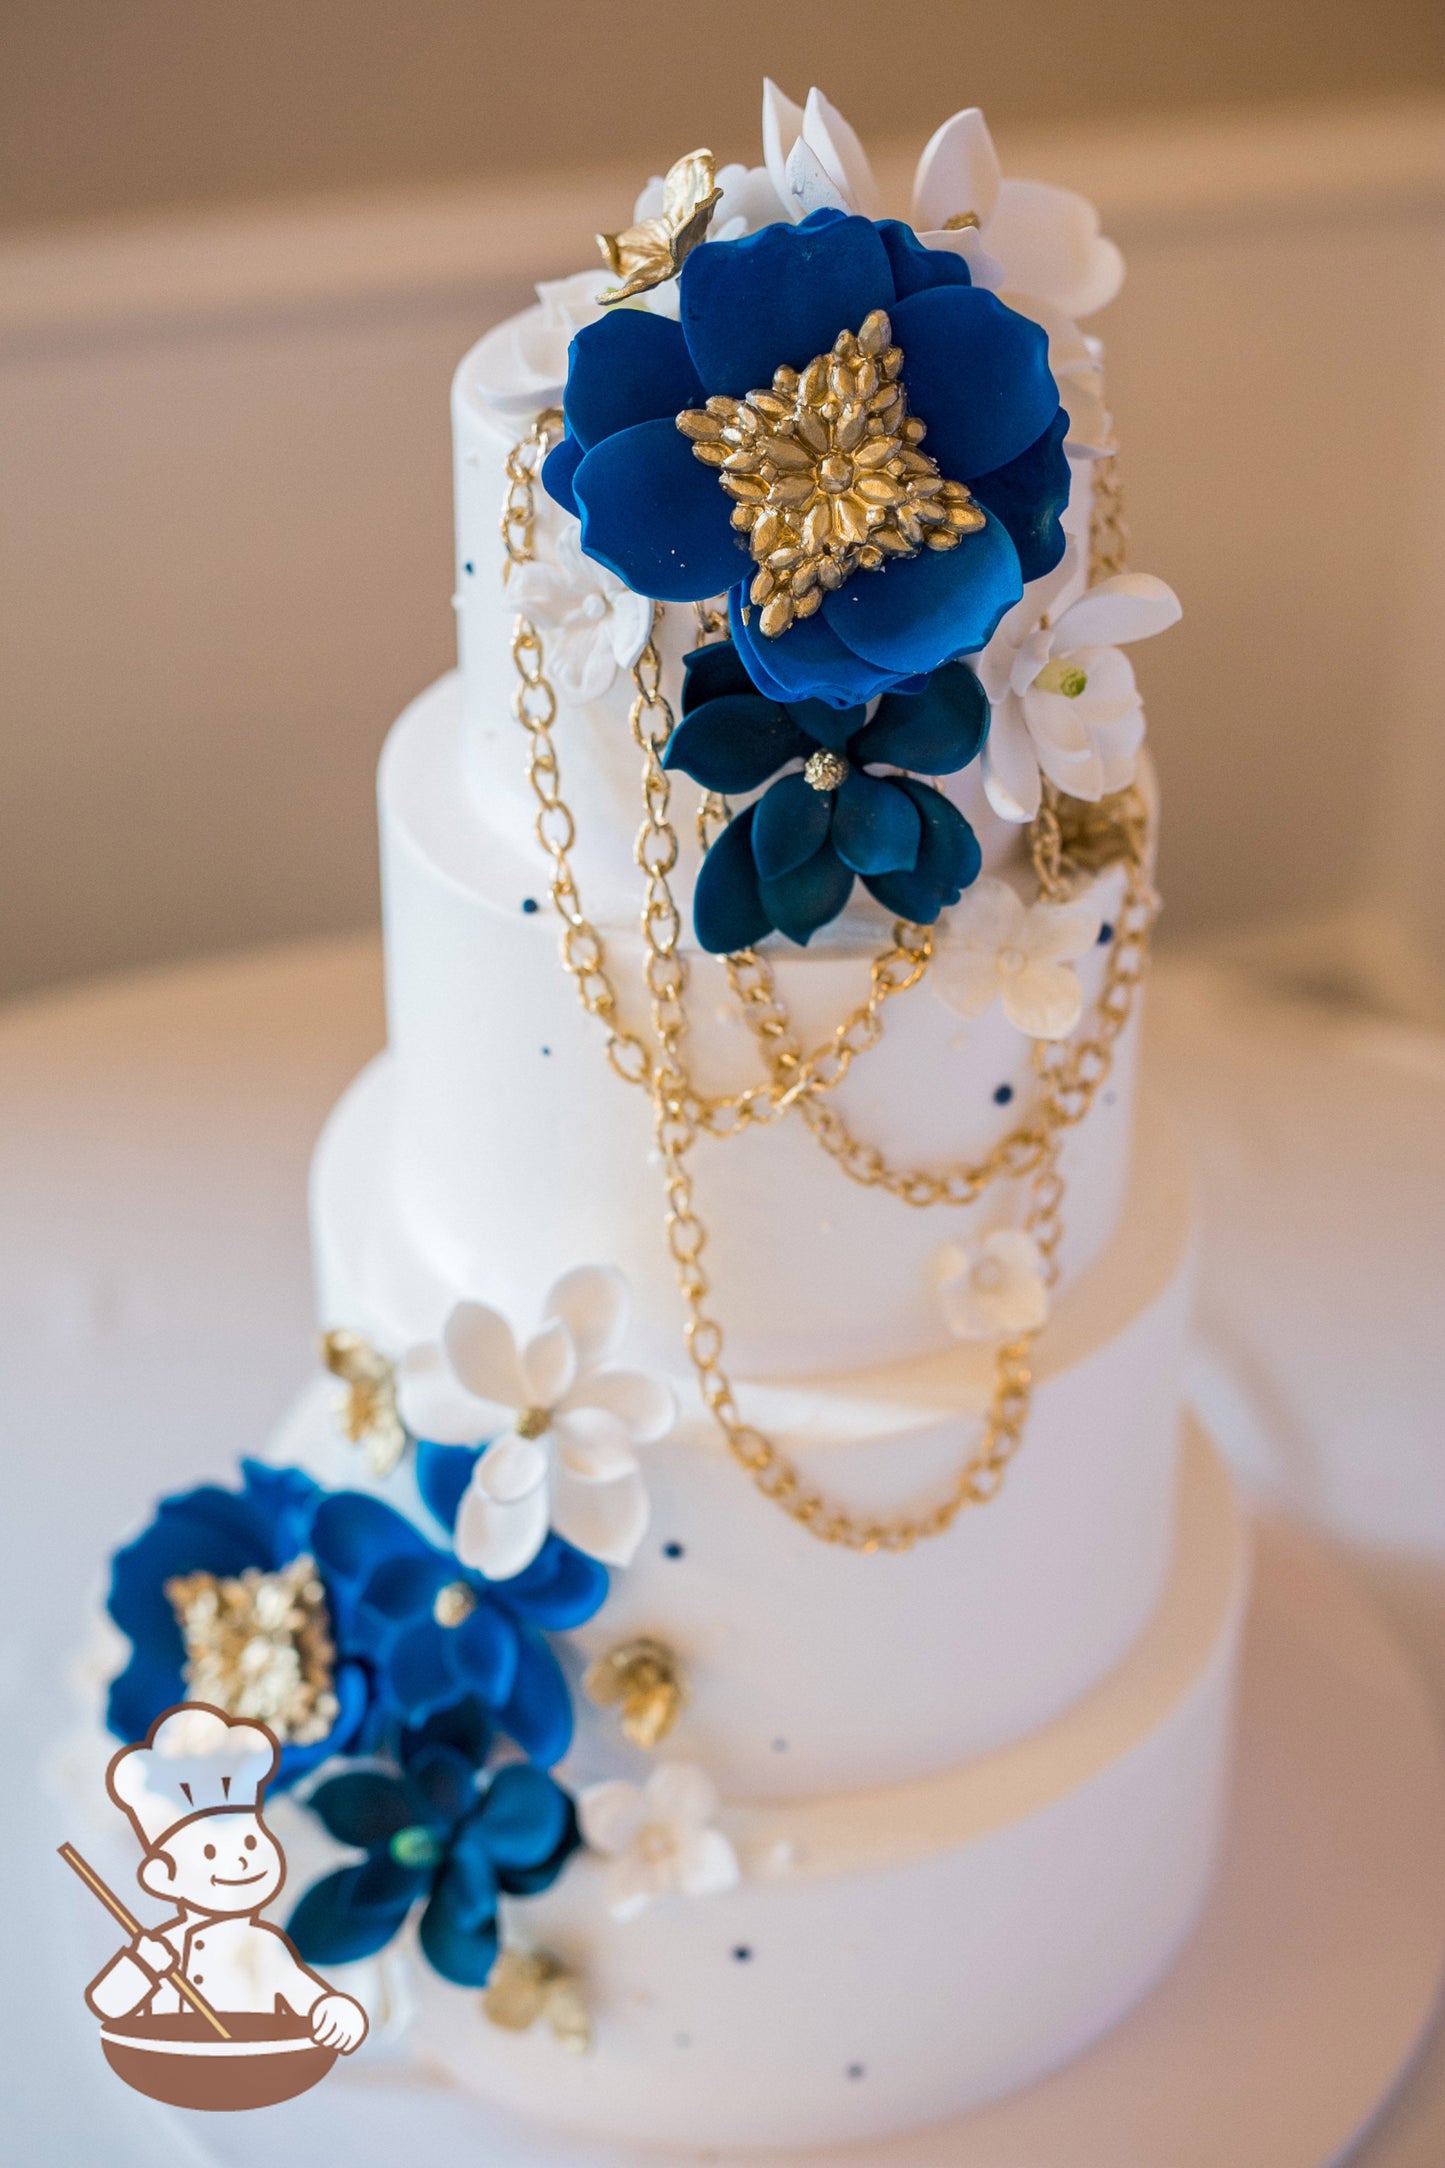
x: 521, y: 365
x: 996, y: 1290
x: 992, y: 946
x: 597, y: 625
x: 1063, y: 697
x: 569, y: 1425
x: 659, y: 1838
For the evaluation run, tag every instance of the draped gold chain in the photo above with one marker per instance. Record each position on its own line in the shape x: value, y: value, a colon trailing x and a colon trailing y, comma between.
x: 1069, y: 1074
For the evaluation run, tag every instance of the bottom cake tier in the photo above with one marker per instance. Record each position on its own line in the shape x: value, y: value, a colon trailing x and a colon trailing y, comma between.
x: 893, y: 1957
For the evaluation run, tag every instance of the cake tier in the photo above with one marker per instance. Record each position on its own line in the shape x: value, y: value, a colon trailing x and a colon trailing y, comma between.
x: 810, y: 1667
x: 516, y: 1152
x: 895, y: 1957
x: 599, y: 757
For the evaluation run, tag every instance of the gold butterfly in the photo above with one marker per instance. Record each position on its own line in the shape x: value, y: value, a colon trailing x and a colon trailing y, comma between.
x: 653, y: 251
x: 644, y: 1681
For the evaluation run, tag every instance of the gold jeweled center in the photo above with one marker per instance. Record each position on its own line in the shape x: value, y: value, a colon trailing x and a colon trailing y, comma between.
x: 825, y: 769
x: 260, y: 1646
x: 827, y: 474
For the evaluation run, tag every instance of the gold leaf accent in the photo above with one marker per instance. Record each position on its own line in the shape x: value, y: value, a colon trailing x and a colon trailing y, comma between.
x: 645, y: 1682
x: 527, y: 1984
x: 654, y: 250
x: 826, y: 475
x: 260, y: 1646
x: 368, y: 1412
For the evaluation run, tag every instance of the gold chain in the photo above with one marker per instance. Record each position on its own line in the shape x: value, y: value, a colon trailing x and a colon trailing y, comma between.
x: 1069, y: 1077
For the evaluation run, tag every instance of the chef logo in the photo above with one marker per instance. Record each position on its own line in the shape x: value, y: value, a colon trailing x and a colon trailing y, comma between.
x: 210, y: 2007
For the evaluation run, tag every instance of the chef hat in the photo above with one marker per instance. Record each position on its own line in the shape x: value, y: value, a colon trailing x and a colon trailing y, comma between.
x: 194, y: 1760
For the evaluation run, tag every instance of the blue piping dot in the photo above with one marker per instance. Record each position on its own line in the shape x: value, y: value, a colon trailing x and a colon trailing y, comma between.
x: 530, y: 906
x: 1002, y: 1095
x: 672, y: 1550
x: 1106, y: 934
x: 469, y: 566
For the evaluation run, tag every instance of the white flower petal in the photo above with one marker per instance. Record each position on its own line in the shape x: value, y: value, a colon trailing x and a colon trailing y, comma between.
x: 1010, y: 771
x: 810, y: 187
x: 643, y: 1404
x: 629, y: 627
x: 962, y: 1312
x: 433, y: 1405
x: 965, y: 978
x: 582, y: 661
x: 511, y: 1468
x: 706, y: 1863
x: 1117, y: 745
x: 984, y: 270
x: 1055, y: 933
x: 1043, y: 1000
x: 1078, y: 774
x: 593, y: 1302
x: 958, y: 172
x: 593, y: 1445
x: 681, y: 1793
x: 989, y: 916
x: 548, y: 1364
x: 500, y: 1540
x: 1049, y: 242
x: 1055, y: 724
x: 633, y: 1883
x: 651, y: 202
x: 1110, y: 692
x: 1015, y: 1248
x: 482, y: 1351
x: 1130, y: 606
x: 782, y: 126
x: 606, y: 1520
x: 841, y: 155
x: 612, y: 1815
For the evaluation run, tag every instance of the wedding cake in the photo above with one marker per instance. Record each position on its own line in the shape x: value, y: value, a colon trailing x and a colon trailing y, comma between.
x: 741, y: 1606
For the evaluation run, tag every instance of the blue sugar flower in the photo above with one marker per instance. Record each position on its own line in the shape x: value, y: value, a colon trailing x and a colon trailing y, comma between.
x: 974, y: 373
x: 788, y: 862
x: 433, y: 1631
x: 434, y: 1834
x: 263, y: 1528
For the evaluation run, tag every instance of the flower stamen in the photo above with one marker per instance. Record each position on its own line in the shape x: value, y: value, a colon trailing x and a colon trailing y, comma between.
x: 826, y: 770
x: 260, y: 1646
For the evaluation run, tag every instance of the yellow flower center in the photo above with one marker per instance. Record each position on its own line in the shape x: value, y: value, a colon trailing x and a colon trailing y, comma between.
x: 1062, y: 676
x: 826, y: 770
x: 533, y: 1422
x: 454, y: 1604
x: 827, y: 475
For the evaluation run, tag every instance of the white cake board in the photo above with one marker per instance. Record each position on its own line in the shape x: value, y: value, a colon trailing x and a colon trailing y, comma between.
x: 1272, y: 2043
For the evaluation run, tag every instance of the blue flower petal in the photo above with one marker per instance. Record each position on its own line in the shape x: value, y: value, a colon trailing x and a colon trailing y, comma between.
x: 485, y: 1653
x: 443, y: 1783
x: 401, y: 1587
x: 808, y: 661
x: 1028, y: 496
x: 148, y: 1684
x: 780, y: 295
x: 524, y: 1816
x: 285, y: 1500
x: 790, y: 824
x: 628, y: 367
x: 734, y: 743
x: 538, y: 1712
x: 920, y: 612
x: 809, y: 896
x: 948, y: 861
x: 709, y: 672
x: 469, y: 1877
x: 977, y: 373
x: 558, y: 469
x: 935, y: 732
x: 335, y: 1924
x: 420, y: 1672
x: 462, y: 1725
x: 561, y: 1588
x: 727, y: 909
x: 173, y: 1544
x: 876, y: 825
x: 362, y: 1807
x: 656, y: 516
x: 442, y: 1475
x: 827, y: 725
x: 353, y: 1687
x: 462, y: 1954
x: 915, y: 268
x: 352, y: 1533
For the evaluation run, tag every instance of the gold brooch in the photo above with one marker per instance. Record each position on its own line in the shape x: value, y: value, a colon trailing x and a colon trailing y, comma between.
x: 524, y: 1985
x: 368, y: 1412
x: 644, y: 1681
x: 827, y: 474
x: 654, y: 250
x: 260, y: 1646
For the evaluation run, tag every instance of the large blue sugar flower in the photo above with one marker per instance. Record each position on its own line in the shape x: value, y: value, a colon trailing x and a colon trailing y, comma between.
x: 433, y: 1631
x: 435, y: 1835
x: 788, y: 861
x: 975, y: 373
x: 264, y: 1526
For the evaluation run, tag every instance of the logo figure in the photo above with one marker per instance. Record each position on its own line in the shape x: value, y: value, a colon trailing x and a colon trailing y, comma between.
x: 211, y: 2008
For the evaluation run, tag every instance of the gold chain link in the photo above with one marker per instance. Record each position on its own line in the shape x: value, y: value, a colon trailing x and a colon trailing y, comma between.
x: 1069, y: 1076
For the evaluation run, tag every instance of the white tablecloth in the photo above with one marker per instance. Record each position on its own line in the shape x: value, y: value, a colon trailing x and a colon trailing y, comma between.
x: 155, y: 1319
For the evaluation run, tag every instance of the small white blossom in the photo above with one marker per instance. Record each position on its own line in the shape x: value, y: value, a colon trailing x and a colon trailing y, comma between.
x: 597, y: 626
x: 521, y: 365
x: 566, y: 1457
x: 994, y: 947
x: 1063, y: 697
x: 996, y: 1290
x: 658, y: 1837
